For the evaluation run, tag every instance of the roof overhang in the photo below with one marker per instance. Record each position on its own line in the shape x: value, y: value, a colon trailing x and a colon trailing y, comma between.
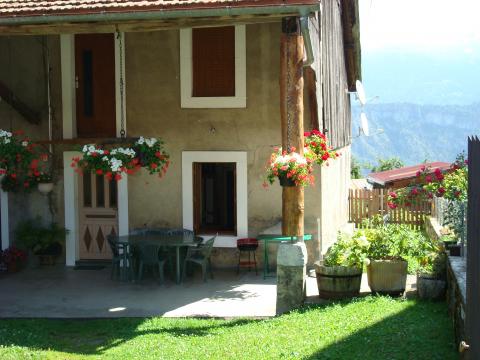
x: 351, y: 41
x: 154, y: 18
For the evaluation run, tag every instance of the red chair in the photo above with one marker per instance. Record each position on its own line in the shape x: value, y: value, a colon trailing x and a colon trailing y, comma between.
x: 247, y: 245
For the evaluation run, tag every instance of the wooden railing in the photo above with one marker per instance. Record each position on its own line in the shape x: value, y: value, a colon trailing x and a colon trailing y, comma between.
x: 365, y: 204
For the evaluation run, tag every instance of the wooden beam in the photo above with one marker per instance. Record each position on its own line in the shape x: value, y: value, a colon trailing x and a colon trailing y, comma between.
x: 86, y: 141
x: 310, y: 84
x: 23, y: 109
x: 135, y: 26
x: 291, y: 114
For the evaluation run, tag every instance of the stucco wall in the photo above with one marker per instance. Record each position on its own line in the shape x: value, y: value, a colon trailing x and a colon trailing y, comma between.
x: 153, y: 109
x: 153, y: 103
x: 334, y: 189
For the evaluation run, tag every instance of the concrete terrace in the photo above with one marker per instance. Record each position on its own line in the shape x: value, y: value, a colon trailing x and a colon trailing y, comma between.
x: 60, y: 292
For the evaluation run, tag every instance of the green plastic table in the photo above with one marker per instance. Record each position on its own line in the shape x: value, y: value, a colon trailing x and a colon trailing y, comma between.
x: 176, y: 241
x: 266, y: 238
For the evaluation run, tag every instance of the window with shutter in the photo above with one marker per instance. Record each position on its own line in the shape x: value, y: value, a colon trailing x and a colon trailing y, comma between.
x: 213, y: 67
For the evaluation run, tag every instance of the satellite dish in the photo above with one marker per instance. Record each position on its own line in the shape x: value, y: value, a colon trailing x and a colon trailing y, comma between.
x: 364, y: 124
x: 360, y: 92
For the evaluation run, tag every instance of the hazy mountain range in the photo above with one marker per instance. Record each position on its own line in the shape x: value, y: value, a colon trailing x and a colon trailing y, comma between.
x: 427, y: 106
x: 415, y: 133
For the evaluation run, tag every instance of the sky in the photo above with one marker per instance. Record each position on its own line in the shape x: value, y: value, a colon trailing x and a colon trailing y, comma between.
x: 420, y: 25
x: 421, y: 51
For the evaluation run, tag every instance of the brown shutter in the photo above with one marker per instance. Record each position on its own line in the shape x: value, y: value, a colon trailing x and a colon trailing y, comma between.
x: 213, y: 61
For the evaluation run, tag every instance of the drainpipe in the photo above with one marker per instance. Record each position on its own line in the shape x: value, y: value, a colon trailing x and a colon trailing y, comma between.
x: 307, y: 41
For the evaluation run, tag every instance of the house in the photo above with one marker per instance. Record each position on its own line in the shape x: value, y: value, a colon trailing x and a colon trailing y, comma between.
x: 201, y: 75
x: 402, y: 177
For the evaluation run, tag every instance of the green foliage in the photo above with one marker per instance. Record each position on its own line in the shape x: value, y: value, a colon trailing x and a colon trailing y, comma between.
x: 373, y: 328
x: 356, y: 169
x: 348, y: 251
x: 32, y: 235
x: 388, y: 164
x: 455, y: 218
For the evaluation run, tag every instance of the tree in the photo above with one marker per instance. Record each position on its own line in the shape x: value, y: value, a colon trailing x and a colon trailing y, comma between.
x: 388, y: 164
x: 356, y: 169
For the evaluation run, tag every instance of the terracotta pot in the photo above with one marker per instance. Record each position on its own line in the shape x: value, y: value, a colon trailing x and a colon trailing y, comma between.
x: 13, y: 267
x: 284, y: 181
x: 45, y: 188
x: 387, y: 276
x: 337, y: 282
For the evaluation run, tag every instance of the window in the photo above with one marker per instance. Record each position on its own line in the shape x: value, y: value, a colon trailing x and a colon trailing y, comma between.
x: 214, y: 198
x: 213, y: 67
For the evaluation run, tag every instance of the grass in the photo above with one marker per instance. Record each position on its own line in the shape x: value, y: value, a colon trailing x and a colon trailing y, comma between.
x: 367, y: 328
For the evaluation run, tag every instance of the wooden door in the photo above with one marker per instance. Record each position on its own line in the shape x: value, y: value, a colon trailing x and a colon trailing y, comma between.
x: 98, y: 216
x: 95, y: 85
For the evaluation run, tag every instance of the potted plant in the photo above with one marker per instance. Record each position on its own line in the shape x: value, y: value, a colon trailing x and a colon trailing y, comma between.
x: 431, y: 277
x: 389, y: 248
x: 339, y: 275
x: 13, y: 259
x: 45, y: 183
x: 291, y: 168
x: 44, y: 241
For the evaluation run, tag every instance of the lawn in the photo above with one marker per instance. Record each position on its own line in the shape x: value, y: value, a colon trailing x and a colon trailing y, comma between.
x: 367, y: 328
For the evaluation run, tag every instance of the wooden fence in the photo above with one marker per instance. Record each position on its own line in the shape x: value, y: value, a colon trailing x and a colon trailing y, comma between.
x: 364, y: 204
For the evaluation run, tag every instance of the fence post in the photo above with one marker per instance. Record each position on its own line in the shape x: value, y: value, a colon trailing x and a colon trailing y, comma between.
x: 472, y: 318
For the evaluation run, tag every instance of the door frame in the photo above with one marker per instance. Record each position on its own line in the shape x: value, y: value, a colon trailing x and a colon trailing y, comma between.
x: 72, y: 207
x: 67, y: 58
x: 238, y: 157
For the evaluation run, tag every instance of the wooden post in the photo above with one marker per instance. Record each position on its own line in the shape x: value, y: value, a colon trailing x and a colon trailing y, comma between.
x: 291, y: 114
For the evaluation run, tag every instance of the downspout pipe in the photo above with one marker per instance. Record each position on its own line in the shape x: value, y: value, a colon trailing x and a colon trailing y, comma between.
x: 307, y: 42
x: 228, y: 11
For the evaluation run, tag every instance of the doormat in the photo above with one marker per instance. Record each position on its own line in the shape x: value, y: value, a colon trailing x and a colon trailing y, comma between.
x: 89, y: 267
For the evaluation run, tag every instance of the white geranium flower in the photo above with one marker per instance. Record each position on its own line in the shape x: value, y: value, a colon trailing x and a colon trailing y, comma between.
x: 25, y: 143
x: 141, y: 141
x: 150, y: 142
x: 105, y: 158
x: 115, y: 164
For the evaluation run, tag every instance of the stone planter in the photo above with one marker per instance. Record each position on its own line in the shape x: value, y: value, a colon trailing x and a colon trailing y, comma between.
x: 387, y: 276
x: 284, y: 181
x: 337, y: 282
x: 45, y: 188
x: 430, y: 287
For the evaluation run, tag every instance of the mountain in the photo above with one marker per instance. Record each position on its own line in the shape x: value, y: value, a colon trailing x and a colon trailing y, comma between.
x: 440, y: 78
x: 414, y: 132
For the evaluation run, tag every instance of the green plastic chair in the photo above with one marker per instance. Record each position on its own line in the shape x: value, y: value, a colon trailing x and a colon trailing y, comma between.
x: 149, y: 255
x: 200, y: 255
x: 120, y: 252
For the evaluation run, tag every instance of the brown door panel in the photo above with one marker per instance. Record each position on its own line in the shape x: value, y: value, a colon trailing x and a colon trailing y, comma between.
x: 95, y: 83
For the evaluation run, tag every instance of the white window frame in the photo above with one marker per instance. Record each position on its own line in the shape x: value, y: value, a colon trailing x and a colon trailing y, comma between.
x: 186, y: 76
x: 240, y: 160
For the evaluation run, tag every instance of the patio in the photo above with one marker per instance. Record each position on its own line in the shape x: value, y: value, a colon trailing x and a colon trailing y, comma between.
x: 60, y: 292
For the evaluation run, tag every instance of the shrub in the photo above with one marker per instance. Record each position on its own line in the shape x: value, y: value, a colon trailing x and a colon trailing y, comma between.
x: 348, y: 251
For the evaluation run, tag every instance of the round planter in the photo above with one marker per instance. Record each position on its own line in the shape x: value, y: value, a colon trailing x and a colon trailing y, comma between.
x: 45, y: 188
x: 387, y: 276
x: 337, y: 282
x: 47, y: 260
x: 284, y: 181
x: 430, y: 287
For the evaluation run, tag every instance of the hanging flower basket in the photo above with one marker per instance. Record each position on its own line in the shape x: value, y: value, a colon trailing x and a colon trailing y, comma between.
x: 284, y: 181
x: 20, y: 160
x: 317, y: 143
x: 292, y: 169
x: 145, y: 153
